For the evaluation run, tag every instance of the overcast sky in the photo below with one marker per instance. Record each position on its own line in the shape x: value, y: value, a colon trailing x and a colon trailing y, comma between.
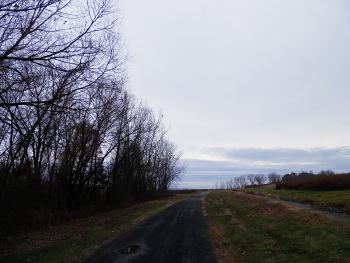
x: 245, y: 86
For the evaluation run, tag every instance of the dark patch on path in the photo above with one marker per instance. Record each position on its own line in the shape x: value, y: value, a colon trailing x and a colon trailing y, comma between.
x: 178, y: 234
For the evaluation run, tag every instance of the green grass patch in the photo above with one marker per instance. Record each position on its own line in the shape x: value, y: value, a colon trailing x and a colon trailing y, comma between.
x: 76, y: 240
x: 256, y: 230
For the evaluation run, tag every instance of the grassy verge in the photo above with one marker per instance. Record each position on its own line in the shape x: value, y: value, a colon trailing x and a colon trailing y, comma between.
x: 339, y: 200
x: 256, y: 229
x: 76, y: 240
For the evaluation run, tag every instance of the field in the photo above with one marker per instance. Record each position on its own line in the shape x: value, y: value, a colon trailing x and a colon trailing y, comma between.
x: 76, y: 240
x: 334, y: 200
x: 252, y: 228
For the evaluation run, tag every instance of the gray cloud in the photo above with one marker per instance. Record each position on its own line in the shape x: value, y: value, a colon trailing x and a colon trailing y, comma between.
x: 285, y: 155
x: 208, y: 165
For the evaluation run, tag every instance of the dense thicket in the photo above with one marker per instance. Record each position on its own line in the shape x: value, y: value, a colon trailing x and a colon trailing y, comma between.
x: 325, y: 180
x: 70, y: 134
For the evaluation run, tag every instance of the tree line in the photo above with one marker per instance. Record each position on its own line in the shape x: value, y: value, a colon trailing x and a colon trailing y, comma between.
x: 71, y: 134
x: 250, y: 180
x: 325, y: 179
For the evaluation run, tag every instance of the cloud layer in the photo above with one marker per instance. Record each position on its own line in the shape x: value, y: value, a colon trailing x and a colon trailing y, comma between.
x: 272, y: 75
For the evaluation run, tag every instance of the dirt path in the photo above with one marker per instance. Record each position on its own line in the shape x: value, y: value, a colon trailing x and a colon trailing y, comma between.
x: 306, y: 207
x: 177, y: 234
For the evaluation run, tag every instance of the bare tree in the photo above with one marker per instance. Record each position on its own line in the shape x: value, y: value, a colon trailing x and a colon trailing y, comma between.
x: 260, y: 179
x: 274, y: 178
x: 69, y: 130
x: 240, y: 181
x: 71, y: 41
x: 251, y: 179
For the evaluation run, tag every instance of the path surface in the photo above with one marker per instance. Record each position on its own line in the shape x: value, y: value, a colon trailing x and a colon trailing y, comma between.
x: 178, y: 234
x: 317, y: 210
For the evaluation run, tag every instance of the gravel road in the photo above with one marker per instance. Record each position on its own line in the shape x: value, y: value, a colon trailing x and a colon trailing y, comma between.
x: 178, y: 234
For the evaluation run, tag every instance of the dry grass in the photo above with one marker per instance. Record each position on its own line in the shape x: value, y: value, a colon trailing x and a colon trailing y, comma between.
x: 259, y: 229
x: 338, y: 201
x: 223, y: 255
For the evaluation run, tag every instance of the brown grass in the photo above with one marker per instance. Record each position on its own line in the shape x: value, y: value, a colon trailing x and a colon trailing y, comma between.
x: 222, y: 255
x: 260, y: 229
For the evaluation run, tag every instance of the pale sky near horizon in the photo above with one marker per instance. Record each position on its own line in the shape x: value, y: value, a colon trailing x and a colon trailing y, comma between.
x: 249, y: 85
